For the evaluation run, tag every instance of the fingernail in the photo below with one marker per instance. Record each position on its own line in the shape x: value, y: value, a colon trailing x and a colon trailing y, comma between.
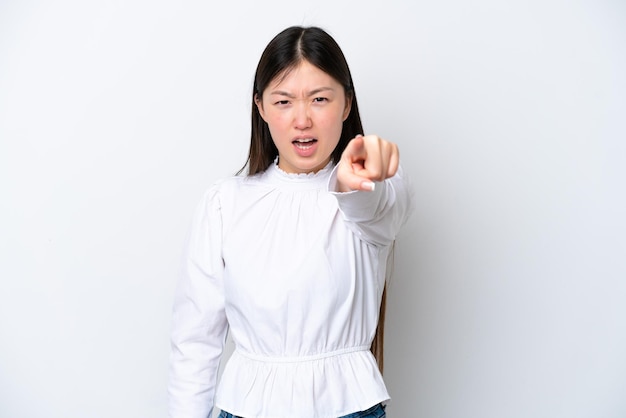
x: 369, y: 185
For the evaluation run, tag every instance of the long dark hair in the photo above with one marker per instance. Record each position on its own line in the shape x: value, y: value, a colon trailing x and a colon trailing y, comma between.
x: 288, y: 49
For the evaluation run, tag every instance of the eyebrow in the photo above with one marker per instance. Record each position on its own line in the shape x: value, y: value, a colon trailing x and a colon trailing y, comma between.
x: 309, y: 94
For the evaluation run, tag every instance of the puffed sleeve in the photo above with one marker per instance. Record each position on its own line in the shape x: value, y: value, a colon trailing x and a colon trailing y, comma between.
x: 199, y: 324
x: 376, y: 216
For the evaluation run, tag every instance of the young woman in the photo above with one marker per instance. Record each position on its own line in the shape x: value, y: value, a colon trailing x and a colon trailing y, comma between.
x: 292, y: 257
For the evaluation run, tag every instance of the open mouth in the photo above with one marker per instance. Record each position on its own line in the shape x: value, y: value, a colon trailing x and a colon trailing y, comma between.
x: 304, y: 143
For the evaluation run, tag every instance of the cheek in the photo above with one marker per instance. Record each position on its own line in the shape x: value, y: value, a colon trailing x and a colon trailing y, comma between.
x: 329, y: 116
x: 333, y: 121
x: 276, y: 122
x: 281, y: 132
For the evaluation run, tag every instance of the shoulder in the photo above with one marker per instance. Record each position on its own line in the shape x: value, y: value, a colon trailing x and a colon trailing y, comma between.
x: 229, y: 188
x: 225, y: 185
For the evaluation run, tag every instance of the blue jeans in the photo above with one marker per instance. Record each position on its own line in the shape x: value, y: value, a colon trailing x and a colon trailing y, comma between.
x: 376, y: 411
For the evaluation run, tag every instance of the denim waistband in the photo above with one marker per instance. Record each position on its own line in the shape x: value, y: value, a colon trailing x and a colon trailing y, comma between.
x: 376, y: 411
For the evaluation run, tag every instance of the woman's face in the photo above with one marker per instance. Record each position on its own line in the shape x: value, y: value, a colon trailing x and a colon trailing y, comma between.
x: 305, y: 111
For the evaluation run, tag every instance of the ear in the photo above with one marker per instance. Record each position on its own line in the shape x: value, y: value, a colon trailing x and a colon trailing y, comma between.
x: 346, y: 110
x: 259, y: 105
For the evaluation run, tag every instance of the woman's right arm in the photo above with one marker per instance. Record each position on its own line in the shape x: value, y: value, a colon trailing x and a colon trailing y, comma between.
x: 199, y: 323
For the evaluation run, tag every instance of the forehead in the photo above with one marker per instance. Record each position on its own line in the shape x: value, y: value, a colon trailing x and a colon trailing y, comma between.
x: 303, y: 75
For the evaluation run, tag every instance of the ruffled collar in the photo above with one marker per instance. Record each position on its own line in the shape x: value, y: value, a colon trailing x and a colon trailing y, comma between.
x: 314, y: 179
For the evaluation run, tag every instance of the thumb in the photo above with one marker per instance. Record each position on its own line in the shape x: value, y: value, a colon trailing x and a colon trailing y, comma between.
x: 348, y: 180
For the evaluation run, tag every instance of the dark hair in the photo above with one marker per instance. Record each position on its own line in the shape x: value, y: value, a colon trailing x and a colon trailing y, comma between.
x: 288, y: 49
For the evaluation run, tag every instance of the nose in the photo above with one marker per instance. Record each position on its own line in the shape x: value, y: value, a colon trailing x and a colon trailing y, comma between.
x: 302, y: 118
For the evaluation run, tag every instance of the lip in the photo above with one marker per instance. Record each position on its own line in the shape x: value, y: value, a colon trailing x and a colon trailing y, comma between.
x: 302, y: 137
x: 304, y: 148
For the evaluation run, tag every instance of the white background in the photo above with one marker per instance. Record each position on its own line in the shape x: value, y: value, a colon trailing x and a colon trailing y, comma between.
x: 509, y: 293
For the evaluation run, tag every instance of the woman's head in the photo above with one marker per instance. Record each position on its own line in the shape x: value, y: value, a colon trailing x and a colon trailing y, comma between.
x: 296, y: 64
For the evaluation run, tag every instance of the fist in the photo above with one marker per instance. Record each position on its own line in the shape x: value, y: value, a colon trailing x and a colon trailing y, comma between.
x: 365, y: 160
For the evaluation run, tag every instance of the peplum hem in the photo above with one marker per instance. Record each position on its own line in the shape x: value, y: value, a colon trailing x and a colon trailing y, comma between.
x: 326, y: 386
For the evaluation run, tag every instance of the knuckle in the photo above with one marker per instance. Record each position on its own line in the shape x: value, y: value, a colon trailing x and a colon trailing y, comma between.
x: 376, y: 173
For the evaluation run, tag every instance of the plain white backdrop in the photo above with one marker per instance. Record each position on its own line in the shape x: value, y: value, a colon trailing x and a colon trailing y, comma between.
x: 509, y: 293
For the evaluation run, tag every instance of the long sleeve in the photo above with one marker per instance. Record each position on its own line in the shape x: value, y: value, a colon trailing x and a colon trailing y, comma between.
x: 377, y: 216
x: 199, y: 323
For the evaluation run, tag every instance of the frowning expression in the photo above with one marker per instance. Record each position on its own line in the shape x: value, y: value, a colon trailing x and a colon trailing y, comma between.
x: 304, y: 109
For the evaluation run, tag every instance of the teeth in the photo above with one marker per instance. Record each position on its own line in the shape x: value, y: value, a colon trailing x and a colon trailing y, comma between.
x: 305, y: 140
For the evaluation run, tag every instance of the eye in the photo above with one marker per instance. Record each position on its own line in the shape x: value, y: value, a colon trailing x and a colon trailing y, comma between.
x: 320, y: 99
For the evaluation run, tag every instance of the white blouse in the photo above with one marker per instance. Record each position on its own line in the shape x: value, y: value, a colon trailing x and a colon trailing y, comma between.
x: 296, y: 272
